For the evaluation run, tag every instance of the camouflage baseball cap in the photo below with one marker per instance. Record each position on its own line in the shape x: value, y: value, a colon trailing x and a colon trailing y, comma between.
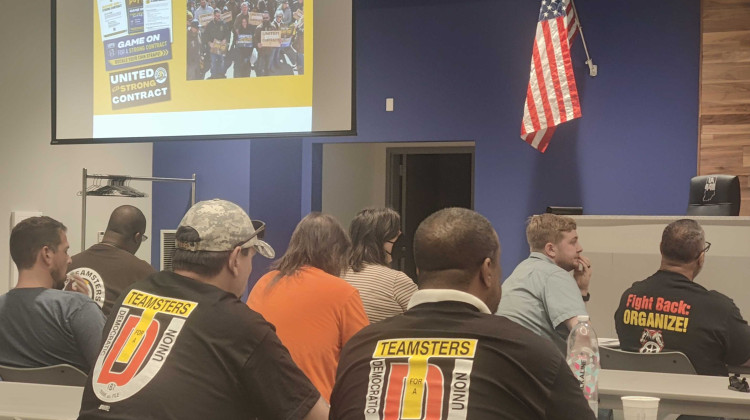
x: 221, y: 226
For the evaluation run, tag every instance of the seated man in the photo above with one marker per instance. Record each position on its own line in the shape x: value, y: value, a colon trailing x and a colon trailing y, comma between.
x: 41, y: 325
x: 540, y: 294
x: 181, y: 345
x: 670, y: 311
x: 110, y: 266
x: 447, y: 356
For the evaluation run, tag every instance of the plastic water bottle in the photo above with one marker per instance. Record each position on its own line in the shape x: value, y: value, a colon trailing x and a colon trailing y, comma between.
x: 583, y: 359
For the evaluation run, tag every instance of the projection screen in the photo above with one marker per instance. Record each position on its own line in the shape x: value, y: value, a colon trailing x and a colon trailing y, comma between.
x: 153, y: 70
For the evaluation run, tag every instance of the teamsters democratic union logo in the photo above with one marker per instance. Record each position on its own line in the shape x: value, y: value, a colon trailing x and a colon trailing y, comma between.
x: 145, y: 329
x: 94, y: 281
x: 420, y: 378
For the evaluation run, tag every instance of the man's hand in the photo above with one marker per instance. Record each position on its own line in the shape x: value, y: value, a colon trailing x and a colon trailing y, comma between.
x: 76, y: 283
x: 582, y: 274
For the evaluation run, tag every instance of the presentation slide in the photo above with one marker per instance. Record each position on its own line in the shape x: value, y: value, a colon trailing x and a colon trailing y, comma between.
x: 150, y: 70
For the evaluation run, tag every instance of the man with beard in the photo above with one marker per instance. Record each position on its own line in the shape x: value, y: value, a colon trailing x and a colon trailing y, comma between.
x: 182, y: 345
x: 263, y: 66
x: 41, y: 325
x: 216, y: 39
x: 541, y: 294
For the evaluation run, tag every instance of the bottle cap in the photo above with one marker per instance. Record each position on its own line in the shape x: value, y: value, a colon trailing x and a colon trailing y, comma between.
x: 582, y: 318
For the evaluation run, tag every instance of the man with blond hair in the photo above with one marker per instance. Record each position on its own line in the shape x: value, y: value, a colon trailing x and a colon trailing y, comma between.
x: 541, y: 294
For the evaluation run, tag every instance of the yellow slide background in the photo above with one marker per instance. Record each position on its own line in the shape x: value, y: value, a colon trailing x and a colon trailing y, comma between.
x: 208, y: 95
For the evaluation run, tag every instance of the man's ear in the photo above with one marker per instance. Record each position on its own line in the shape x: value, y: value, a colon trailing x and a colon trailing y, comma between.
x: 550, y: 249
x: 485, y: 273
x: 233, y: 264
x: 46, y: 254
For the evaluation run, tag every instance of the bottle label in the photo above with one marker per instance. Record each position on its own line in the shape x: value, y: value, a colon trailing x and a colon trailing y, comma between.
x: 584, y: 364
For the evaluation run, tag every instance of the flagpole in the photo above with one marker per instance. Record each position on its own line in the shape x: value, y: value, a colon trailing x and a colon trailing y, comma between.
x: 592, y: 67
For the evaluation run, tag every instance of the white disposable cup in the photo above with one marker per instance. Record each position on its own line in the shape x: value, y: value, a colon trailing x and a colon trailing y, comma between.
x: 640, y: 408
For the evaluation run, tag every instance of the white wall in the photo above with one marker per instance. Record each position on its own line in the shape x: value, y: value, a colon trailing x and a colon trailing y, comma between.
x: 354, y: 175
x: 35, y: 176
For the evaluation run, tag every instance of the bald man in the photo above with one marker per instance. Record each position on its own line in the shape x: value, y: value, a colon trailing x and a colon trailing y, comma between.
x: 110, y: 266
x: 448, y: 356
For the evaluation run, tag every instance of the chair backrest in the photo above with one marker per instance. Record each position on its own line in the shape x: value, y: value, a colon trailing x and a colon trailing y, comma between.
x: 50, y: 375
x: 665, y: 362
x: 714, y: 195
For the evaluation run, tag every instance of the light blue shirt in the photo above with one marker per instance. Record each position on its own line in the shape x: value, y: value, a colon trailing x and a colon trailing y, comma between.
x: 540, y: 296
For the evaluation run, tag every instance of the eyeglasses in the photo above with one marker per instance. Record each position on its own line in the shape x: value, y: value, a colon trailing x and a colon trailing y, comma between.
x: 392, y: 242
x: 260, y: 230
x: 144, y: 238
x: 708, y: 246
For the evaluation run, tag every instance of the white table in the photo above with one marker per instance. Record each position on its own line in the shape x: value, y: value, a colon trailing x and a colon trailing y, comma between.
x: 39, y: 402
x: 680, y: 394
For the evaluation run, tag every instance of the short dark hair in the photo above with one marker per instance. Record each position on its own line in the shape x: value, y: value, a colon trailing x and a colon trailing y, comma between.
x: 204, y: 263
x: 127, y: 220
x: 318, y: 241
x: 369, y: 230
x: 30, y: 235
x: 682, y: 241
x: 454, y: 239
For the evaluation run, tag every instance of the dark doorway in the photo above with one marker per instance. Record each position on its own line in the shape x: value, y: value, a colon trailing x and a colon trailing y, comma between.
x: 421, y: 181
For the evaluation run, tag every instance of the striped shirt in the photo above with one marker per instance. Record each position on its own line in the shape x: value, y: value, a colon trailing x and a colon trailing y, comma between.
x: 385, y: 292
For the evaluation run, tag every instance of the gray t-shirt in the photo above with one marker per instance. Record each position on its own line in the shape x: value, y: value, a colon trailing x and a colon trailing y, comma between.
x: 45, y: 327
x: 540, y: 296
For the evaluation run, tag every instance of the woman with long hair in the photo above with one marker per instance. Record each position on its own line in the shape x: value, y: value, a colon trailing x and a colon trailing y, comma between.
x: 315, y: 312
x: 385, y: 292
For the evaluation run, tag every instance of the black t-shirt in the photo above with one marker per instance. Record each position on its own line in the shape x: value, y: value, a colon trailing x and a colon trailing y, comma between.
x: 446, y: 360
x: 669, y: 312
x: 109, y: 271
x: 176, y: 348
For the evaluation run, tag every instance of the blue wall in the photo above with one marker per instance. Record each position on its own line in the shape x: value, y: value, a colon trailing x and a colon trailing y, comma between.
x: 458, y: 70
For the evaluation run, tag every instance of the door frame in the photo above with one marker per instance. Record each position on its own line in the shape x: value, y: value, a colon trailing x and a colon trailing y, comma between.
x: 391, y: 152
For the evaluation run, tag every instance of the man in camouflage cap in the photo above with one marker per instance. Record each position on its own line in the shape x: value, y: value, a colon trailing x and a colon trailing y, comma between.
x: 182, y: 345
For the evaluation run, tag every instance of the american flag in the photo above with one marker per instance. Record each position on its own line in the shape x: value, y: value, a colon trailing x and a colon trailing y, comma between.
x: 552, y: 97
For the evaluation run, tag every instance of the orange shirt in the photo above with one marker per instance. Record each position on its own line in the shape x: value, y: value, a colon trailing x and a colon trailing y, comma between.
x: 315, y: 314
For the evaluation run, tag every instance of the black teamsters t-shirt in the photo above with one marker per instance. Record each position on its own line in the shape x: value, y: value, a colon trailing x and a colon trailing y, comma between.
x: 176, y: 348
x: 668, y: 312
x: 446, y: 360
